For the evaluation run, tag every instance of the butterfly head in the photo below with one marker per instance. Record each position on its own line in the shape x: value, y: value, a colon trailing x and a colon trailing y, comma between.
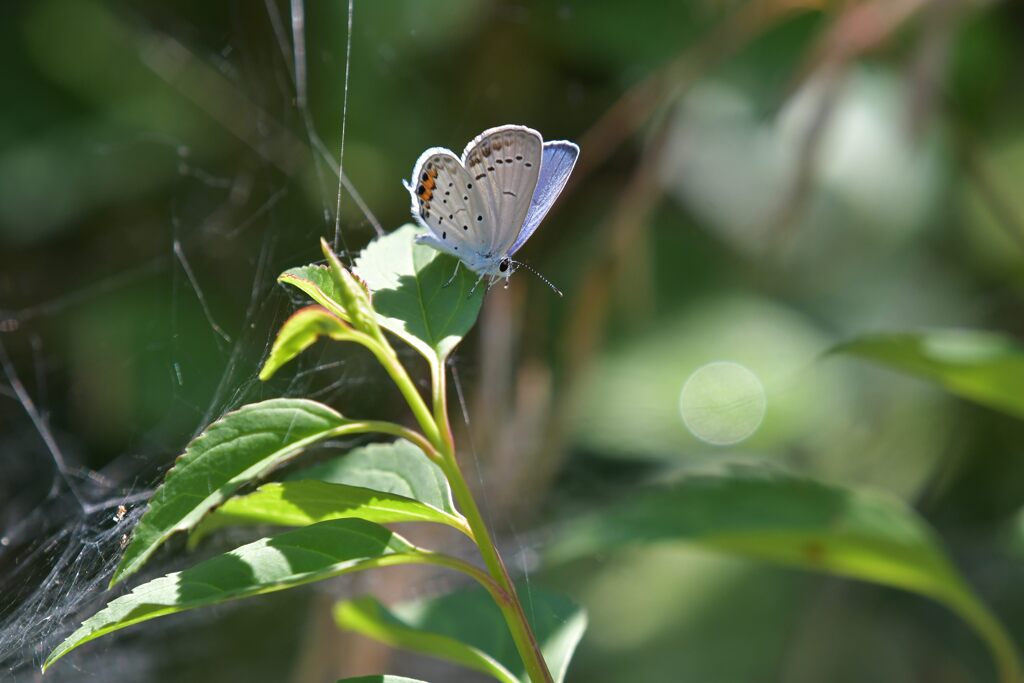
x: 507, y: 266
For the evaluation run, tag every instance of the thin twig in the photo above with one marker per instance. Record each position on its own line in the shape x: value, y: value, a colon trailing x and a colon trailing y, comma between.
x: 40, y: 424
x: 220, y: 98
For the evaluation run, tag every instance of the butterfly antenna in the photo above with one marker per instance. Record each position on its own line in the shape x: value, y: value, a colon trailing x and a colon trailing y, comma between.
x: 530, y: 268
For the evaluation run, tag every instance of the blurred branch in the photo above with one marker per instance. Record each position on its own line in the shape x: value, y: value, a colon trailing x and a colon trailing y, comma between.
x: 225, y: 103
x: 41, y: 425
x: 862, y: 27
x: 989, y: 188
x: 788, y: 214
x: 588, y: 321
x: 631, y: 111
x: 638, y: 200
x: 221, y: 100
x: 940, y: 20
x: 640, y: 197
x: 859, y: 29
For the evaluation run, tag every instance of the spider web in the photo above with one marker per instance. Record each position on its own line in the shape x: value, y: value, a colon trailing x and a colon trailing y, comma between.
x: 64, y: 523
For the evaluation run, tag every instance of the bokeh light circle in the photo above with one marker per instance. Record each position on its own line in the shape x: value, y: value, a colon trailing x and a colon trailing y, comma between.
x: 722, y: 403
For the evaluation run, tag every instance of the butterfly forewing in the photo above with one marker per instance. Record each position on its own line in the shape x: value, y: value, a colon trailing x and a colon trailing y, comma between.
x: 447, y: 201
x: 503, y: 163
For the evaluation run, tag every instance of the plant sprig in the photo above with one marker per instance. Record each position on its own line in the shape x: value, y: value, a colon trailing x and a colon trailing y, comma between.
x: 336, y: 511
x: 400, y: 291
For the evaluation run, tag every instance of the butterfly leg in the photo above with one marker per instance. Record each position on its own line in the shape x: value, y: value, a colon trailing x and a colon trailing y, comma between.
x: 475, y: 284
x: 456, y: 272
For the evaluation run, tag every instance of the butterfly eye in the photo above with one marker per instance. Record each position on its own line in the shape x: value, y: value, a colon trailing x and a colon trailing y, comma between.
x: 503, y: 266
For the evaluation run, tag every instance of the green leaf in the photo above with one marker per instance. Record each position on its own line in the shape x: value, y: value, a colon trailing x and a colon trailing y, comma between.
x: 290, y: 559
x: 407, y: 281
x: 398, y: 467
x: 368, y: 617
x: 239, y: 447
x: 381, y: 482
x: 354, y: 296
x: 299, y: 332
x: 983, y: 367
x: 298, y: 503
x: 799, y: 522
x: 317, y: 283
x: 467, y: 628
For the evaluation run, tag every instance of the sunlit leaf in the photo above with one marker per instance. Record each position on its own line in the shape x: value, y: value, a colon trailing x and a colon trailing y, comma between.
x: 289, y: 559
x: 299, y: 332
x: 795, y: 521
x: 467, y: 628
x: 398, y: 467
x: 298, y: 503
x: 409, y: 293
x: 239, y: 447
x: 983, y: 367
x: 380, y: 678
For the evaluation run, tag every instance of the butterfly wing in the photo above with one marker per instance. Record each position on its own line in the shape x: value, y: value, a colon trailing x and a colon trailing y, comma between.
x: 504, y: 163
x: 447, y: 202
x: 559, y: 158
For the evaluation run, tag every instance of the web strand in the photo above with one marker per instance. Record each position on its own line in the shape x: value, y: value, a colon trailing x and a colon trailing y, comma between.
x: 315, y: 142
x: 179, y: 253
x: 39, y: 422
x: 520, y: 554
x: 344, y: 119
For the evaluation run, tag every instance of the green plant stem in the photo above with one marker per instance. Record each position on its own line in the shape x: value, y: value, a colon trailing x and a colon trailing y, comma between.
x: 389, y: 359
x: 394, y: 430
x: 998, y: 640
x: 480, y: 576
x: 440, y: 395
x: 437, y: 428
x: 509, y: 604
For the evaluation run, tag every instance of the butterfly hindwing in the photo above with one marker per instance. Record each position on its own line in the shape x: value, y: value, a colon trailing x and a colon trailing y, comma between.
x: 504, y: 163
x: 559, y: 158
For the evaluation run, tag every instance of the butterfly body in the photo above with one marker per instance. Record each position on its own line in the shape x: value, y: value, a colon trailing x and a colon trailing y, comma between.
x: 483, y: 206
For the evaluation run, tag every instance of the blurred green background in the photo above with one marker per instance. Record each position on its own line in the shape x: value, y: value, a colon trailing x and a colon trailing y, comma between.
x: 758, y: 182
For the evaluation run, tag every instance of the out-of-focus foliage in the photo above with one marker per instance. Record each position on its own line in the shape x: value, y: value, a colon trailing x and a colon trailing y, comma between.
x: 798, y: 522
x: 387, y: 482
x: 759, y: 182
x: 465, y: 627
x: 984, y: 367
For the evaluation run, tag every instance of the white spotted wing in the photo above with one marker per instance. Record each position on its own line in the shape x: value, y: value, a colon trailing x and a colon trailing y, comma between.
x: 447, y: 202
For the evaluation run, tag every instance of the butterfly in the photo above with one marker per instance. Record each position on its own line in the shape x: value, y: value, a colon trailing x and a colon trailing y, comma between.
x: 482, y: 207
